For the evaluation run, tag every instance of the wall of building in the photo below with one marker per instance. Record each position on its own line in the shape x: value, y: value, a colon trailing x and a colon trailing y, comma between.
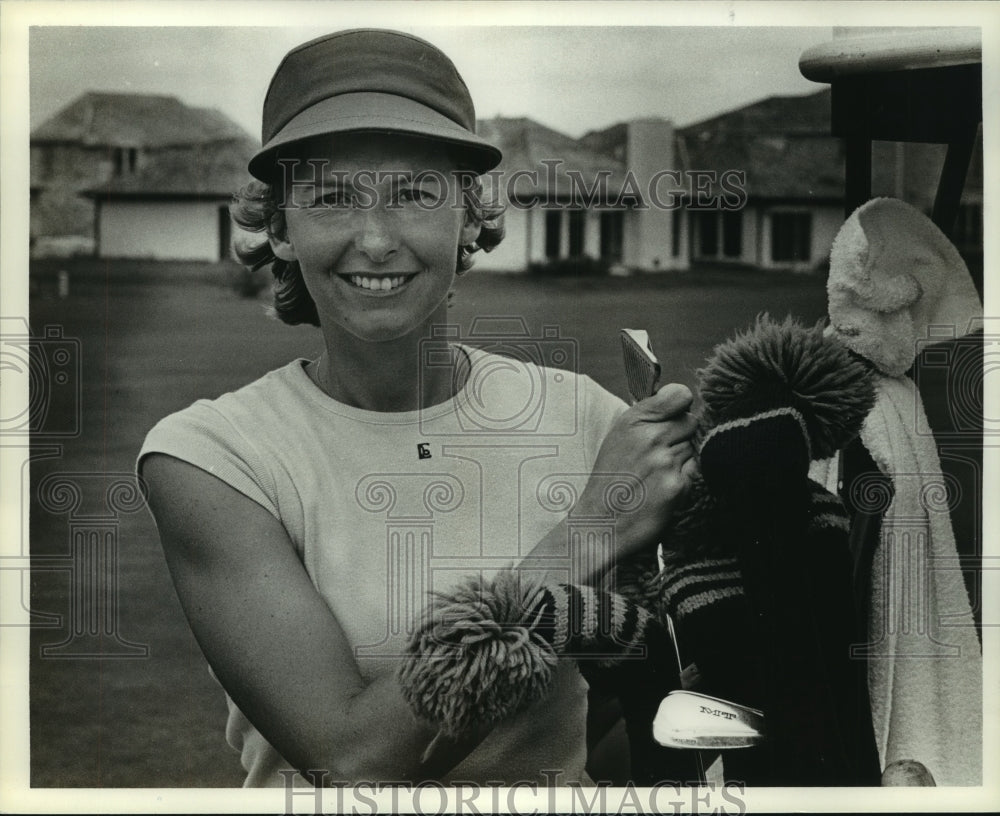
x: 512, y: 253
x: 164, y: 230
x: 592, y: 234
x: 61, y: 219
x: 524, y: 242
x: 751, y: 235
x: 535, y: 248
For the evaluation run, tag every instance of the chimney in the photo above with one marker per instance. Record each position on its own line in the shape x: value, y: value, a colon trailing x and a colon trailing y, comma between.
x: 648, y: 237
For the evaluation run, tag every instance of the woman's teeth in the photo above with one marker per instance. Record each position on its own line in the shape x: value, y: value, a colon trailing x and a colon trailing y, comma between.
x: 383, y: 284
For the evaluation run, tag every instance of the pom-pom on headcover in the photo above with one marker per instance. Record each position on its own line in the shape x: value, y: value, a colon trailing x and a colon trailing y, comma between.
x: 777, y: 396
x: 487, y: 649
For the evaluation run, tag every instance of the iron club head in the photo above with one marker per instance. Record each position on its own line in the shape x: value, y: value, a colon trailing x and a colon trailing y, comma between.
x: 687, y: 719
x: 642, y: 369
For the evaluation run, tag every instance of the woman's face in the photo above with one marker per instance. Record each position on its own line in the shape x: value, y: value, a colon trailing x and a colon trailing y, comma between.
x: 375, y: 224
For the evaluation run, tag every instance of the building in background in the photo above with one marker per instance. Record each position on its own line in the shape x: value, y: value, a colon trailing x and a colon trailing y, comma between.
x: 791, y: 171
x: 579, y: 201
x: 794, y: 183
x: 176, y: 207
x: 132, y: 175
x: 777, y: 152
x: 135, y: 175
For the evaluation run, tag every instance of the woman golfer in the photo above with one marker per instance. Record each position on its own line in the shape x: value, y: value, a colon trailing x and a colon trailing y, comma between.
x: 307, y: 517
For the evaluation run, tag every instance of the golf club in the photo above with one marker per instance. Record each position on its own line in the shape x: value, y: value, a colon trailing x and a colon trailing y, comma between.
x: 687, y: 719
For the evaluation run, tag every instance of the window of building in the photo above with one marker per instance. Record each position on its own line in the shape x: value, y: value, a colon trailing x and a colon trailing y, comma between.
x: 612, y: 230
x: 791, y: 236
x: 708, y: 234
x: 675, y: 237
x: 125, y: 160
x: 577, y: 222
x: 553, y: 233
x: 732, y: 233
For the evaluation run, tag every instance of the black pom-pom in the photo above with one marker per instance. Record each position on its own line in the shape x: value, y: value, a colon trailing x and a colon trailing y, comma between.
x: 775, y: 364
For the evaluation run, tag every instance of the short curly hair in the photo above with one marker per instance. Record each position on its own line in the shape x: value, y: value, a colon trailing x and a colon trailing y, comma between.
x: 256, y: 209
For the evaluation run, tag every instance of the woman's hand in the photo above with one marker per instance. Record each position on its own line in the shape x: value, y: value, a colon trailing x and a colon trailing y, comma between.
x: 653, y: 442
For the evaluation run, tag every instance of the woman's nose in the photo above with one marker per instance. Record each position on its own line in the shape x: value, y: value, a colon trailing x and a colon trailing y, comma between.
x: 375, y: 237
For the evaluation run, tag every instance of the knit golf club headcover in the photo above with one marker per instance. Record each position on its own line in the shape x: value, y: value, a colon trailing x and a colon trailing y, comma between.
x: 705, y: 597
x: 755, y: 580
x: 487, y: 649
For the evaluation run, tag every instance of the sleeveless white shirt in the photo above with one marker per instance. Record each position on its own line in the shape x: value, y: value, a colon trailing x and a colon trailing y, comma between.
x: 384, y: 508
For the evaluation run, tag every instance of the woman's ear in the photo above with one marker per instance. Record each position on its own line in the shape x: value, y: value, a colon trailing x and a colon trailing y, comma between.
x: 282, y: 247
x: 470, y: 230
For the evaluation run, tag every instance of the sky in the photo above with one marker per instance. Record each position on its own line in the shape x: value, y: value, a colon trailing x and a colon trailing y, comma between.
x: 570, y: 78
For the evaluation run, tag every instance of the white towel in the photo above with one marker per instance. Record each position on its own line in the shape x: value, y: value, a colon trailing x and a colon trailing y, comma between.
x: 892, y: 275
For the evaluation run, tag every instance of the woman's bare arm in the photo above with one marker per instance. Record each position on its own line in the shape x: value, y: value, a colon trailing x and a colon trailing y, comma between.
x: 273, y: 642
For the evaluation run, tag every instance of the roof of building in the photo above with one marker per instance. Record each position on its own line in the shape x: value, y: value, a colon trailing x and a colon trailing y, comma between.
x: 801, y: 114
x: 782, y: 143
x: 212, y: 170
x: 135, y: 120
x: 528, y: 146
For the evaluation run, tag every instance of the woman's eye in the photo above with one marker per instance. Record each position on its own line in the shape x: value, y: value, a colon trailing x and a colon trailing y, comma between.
x: 417, y: 195
x: 336, y: 199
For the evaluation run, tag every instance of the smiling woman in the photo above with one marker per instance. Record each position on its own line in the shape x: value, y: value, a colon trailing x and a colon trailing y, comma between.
x: 309, y: 517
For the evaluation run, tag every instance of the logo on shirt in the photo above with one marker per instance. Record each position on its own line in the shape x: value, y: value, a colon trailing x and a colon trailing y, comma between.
x: 423, y: 452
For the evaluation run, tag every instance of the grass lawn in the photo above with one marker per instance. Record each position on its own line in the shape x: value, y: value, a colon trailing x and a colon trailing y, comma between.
x: 155, y: 337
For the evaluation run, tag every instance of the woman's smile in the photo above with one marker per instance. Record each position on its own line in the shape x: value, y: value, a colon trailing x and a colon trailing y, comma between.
x: 380, y: 284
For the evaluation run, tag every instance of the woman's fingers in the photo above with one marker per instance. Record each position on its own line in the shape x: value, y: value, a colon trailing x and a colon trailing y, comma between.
x: 670, y: 401
x: 682, y: 451
x: 690, y: 468
x: 678, y: 431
